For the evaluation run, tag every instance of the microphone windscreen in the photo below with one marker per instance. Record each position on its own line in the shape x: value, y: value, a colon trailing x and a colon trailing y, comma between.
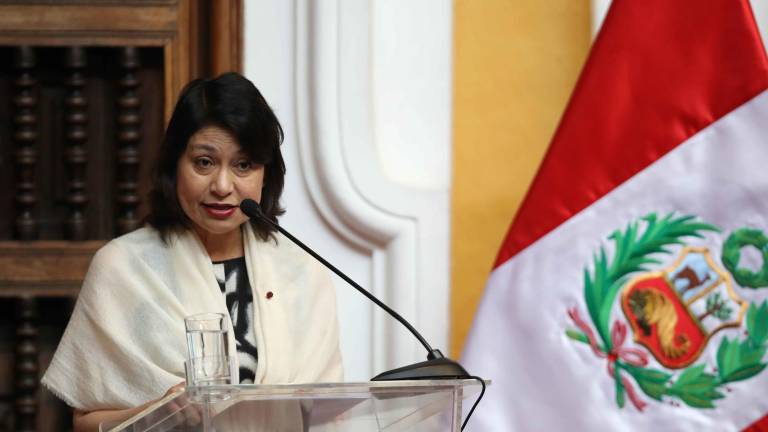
x: 251, y: 208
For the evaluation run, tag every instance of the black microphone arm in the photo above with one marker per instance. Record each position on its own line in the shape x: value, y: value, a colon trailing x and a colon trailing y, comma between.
x: 437, y: 365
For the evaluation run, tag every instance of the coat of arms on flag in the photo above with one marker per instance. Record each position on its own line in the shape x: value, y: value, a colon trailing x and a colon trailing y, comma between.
x: 674, y: 311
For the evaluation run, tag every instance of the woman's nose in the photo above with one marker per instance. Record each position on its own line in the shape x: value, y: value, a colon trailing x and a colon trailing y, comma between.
x: 223, y: 183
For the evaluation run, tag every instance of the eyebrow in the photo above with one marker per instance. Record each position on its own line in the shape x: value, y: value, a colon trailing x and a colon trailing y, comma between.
x: 213, y: 149
x: 205, y: 147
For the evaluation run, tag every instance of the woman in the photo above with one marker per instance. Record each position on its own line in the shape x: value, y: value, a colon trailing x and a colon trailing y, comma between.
x: 125, y: 343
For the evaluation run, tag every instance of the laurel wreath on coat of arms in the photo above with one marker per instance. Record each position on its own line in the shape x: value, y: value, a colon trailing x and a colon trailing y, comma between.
x: 668, y: 312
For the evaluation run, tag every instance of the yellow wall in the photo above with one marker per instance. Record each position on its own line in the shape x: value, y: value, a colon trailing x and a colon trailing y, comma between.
x: 515, y: 64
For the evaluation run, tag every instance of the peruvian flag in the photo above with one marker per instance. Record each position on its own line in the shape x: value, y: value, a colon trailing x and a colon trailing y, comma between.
x: 631, y: 290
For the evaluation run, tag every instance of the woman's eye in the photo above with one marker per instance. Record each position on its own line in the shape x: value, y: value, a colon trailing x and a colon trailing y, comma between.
x: 203, y: 163
x: 244, y: 165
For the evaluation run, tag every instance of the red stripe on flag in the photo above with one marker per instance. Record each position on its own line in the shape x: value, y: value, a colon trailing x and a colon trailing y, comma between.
x: 659, y: 72
x: 758, y: 426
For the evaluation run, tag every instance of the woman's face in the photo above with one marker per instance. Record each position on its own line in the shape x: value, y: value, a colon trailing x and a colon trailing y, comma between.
x: 214, y: 175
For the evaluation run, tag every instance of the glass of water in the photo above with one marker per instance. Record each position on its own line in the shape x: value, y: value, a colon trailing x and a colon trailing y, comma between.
x: 208, y: 361
x: 206, y: 335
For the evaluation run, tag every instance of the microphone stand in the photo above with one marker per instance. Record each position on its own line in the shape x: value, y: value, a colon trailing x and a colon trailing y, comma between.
x: 437, y: 366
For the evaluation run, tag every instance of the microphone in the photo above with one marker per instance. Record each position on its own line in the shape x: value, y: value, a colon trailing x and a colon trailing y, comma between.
x: 437, y: 365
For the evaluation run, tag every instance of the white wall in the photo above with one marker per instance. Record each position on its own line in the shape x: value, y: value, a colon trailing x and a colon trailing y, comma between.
x: 363, y: 91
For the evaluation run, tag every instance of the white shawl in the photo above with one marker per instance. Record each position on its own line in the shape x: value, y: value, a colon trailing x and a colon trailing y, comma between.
x: 125, y: 343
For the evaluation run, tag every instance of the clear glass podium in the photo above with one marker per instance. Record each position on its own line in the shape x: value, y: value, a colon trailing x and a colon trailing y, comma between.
x: 369, y: 406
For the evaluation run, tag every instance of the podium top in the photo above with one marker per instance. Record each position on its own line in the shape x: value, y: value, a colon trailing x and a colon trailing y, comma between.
x: 362, y: 406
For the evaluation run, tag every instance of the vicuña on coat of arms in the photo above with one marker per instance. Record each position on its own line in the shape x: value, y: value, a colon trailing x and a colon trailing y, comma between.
x: 674, y: 311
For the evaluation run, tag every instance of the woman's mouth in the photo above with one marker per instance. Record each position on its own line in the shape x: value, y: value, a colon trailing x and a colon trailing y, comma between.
x: 219, y: 211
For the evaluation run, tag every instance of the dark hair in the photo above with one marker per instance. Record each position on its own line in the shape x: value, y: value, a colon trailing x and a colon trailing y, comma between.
x: 232, y: 102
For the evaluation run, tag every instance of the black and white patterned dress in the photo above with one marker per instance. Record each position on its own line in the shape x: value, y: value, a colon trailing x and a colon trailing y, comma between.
x: 233, y: 281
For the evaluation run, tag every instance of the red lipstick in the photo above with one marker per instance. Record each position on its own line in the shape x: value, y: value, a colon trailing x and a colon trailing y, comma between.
x: 219, y: 211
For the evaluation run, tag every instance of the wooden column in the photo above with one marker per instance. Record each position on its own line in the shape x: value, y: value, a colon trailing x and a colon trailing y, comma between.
x: 26, y: 366
x: 128, y: 137
x: 226, y: 36
x: 76, y: 124
x: 25, y: 137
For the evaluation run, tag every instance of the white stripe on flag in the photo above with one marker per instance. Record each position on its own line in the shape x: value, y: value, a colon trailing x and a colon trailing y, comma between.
x: 542, y: 380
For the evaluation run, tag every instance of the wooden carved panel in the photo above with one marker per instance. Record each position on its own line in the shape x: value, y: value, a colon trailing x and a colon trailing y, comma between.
x: 88, y: 86
x: 128, y: 140
x: 24, y: 114
x: 78, y: 140
x: 76, y: 137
